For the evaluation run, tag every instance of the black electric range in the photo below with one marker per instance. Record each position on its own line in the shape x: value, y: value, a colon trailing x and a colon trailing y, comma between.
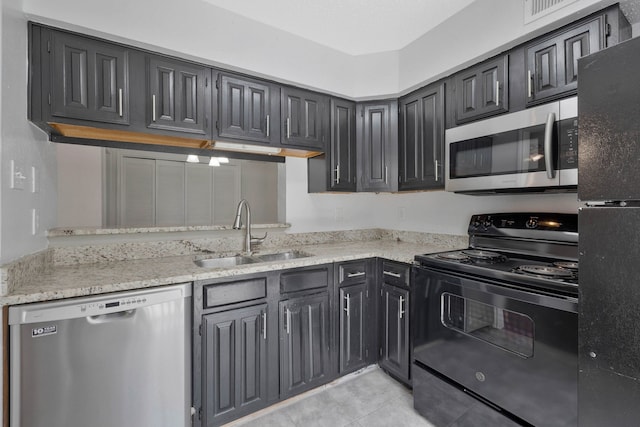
x: 529, y: 250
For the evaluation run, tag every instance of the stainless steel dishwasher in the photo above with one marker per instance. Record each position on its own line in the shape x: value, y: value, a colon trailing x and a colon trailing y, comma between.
x: 120, y: 359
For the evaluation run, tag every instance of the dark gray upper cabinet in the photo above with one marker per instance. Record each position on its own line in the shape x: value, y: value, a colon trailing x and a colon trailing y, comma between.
x: 305, y: 119
x: 248, y: 109
x: 179, y: 96
x: 482, y: 90
x: 342, y: 146
x: 377, y: 136
x: 90, y: 79
x: 235, y: 365
x: 421, y: 139
x: 552, y: 64
x: 304, y: 343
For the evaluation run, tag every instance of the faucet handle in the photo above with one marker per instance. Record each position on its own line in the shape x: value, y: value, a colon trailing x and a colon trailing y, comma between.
x: 258, y: 240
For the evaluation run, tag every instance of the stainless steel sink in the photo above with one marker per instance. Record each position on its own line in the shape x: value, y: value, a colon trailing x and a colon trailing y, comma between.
x: 229, y: 261
x: 283, y: 256
x: 232, y: 261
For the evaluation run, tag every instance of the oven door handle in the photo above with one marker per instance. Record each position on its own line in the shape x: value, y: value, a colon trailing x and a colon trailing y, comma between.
x: 548, y: 145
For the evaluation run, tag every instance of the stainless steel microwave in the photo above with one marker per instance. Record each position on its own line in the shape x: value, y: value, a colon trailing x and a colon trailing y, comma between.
x: 535, y: 149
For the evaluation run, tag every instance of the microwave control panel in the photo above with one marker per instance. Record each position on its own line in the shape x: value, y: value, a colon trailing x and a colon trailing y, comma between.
x: 569, y: 143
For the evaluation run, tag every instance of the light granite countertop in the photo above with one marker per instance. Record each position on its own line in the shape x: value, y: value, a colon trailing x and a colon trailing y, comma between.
x: 66, y: 281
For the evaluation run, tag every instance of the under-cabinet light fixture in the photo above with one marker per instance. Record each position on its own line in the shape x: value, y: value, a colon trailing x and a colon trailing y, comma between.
x: 192, y: 158
x: 246, y: 148
x: 223, y: 159
x: 214, y: 161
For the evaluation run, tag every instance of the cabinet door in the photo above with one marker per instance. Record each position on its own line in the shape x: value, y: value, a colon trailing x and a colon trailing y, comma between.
x: 342, y: 150
x: 179, y: 96
x: 552, y: 65
x: 421, y: 147
x: 353, y: 351
x: 234, y: 364
x: 395, y: 331
x: 482, y: 90
x: 378, y: 146
x: 89, y: 80
x: 305, y: 118
x: 245, y: 110
x: 304, y: 343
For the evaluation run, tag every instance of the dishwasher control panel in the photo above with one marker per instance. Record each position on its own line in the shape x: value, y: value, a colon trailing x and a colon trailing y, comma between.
x: 125, y: 303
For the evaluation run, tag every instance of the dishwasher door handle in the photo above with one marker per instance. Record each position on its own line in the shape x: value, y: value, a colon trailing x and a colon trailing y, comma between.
x: 112, y: 317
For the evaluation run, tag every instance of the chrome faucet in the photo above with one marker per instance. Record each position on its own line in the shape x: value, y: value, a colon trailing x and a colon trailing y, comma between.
x: 237, y: 225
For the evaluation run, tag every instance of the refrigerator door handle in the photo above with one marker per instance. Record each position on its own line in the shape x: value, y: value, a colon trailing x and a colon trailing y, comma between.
x: 548, y: 145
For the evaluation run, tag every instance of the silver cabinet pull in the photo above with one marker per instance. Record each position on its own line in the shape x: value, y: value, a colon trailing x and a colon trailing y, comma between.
x: 392, y: 274
x: 497, y: 93
x: 529, y: 85
x: 338, y: 174
x: 386, y: 174
x: 288, y: 321
x: 120, y: 102
x: 268, y: 125
x: 264, y: 325
x: 548, y: 145
x: 358, y: 274
x: 288, y: 127
x: 401, y: 303
x: 347, y: 297
x: 153, y: 108
x: 436, y: 169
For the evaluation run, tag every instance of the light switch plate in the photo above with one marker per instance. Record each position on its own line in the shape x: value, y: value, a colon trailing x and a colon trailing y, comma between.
x: 18, y: 177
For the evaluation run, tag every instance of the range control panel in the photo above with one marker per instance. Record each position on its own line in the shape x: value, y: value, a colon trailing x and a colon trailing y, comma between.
x: 503, y: 223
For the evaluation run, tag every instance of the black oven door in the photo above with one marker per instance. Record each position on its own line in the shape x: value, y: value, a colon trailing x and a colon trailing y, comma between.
x: 514, y: 348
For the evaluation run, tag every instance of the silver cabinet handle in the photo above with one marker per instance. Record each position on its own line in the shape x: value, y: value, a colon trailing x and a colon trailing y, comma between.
x: 436, y: 169
x: 288, y: 321
x: 529, y: 85
x: 392, y: 274
x: 548, y: 145
x: 153, y: 108
x: 347, y: 297
x: 401, y: 303
x: 497, y: 93
x: 264, y: 325
x: 386, y: 174
x: 288, y: 127
x: 120, y: 102
x: 337, y: 180
x: 268, y: 125
x: 358, y: 274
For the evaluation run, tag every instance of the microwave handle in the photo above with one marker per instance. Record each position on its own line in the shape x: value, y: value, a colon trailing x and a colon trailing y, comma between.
x: 548, y: 145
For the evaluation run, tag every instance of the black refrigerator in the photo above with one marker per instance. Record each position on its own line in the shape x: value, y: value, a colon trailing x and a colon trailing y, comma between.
x: 609, y: 185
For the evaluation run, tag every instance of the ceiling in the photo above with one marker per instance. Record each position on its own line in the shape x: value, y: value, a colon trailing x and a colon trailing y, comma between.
x: 355, y: 27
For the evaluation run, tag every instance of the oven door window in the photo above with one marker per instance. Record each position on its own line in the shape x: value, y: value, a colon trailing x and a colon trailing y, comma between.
x: 512, y: 152
x: 506, y: 329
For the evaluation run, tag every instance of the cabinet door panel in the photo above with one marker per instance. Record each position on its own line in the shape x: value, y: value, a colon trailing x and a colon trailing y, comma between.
x: 378, y: 146
x: 395, y: 333
x: 245, y: 109
x: 343, y: 146
x: 179, y: 96
x: 304, y: 351
x: 305, y: 117
x: 234, y: 364
x: 352, y: 333
x: 89, y: 80
x: 482, y: 90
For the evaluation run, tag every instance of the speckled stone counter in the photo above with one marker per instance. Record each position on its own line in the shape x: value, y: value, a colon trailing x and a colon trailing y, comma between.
x: 66, y: 281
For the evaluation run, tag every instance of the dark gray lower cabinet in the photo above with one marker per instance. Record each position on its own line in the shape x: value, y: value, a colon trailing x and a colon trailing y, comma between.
x: 353, y: 337
x: 304, y: 343
x: 235, y: 365
x: 395, y: 331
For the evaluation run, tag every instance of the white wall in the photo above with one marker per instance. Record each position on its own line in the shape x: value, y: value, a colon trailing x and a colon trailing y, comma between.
x: 25, y: 144
x: 435, y: 212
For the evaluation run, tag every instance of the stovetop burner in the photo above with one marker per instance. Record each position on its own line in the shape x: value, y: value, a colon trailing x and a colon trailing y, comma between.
x: 545, y: 271
x: 482, y: 254
x: 454, y: 256
x: 570, y: 265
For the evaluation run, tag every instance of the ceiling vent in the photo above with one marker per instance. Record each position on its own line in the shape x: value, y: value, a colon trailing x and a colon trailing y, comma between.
x: 535, y: 9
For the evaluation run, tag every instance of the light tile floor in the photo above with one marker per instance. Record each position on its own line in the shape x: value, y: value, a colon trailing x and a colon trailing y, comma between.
x: 367, y: 399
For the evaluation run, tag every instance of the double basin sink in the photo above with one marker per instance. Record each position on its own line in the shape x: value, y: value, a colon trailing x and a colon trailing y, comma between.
x: 232, y: 261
